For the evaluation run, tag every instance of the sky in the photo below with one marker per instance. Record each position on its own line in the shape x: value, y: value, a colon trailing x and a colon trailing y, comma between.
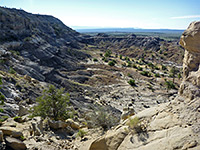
x: 147, y: 14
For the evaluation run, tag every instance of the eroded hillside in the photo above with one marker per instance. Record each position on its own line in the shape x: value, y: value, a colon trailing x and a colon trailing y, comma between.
x: 105, y: 76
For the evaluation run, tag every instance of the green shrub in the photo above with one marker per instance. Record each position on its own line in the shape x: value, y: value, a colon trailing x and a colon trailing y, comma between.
x: 164, y: 67
x: 2, y: 61
x: 12, y: 71
x: 142, y: 59
x: 146, y: 73
x: 157, y: 68
x: 139, y: 68
x: 114, y: 61
x: 95, y: 60
x: 101, y: 117
x: 81, y: 133
x: 3, y: 118
x: 129, y: 64
x: 120, y: 56
x: 127, y: 59
x: 135, y: 125
x: 157, y: 75
x: 22, y: 138
x: 53, y: 103
x: 150, y: 65
x: 170, y: 85
x: 1, y: 110
x: 111, y: 63
x: 132, y: 82
x: 165, y: 54
x: 134, y: 66
x: 108, y: 53
x: 105, y: 59
x: 18, y: 119
x: 15, y: 52
x: 179, y: 75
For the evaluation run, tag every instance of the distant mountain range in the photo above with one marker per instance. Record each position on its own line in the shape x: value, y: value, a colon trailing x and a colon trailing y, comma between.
x: 82, y: 30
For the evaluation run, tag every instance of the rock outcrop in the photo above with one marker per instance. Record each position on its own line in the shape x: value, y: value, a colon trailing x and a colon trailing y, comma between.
x: 173, y: 125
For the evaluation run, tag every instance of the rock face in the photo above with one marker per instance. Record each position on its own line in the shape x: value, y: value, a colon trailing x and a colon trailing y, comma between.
x: 191, y: 75
x: 173, y: 125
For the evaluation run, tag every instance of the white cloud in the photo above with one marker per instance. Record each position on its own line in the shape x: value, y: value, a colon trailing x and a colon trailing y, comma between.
x: 186, y: 17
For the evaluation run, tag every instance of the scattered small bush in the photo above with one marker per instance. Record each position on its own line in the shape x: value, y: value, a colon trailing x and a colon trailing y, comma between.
x: 132, y: 82
x: 127, y: 59
x: 135, y: 125
x: 22, y: 138
x: 15, y: 52
x: 105, y: 59
x: 120, y: 56
x: 170, y: 85
x: 101, y: 117
x: 12, y: 71
x: 108, y: 53
x: 3, y: 118
x: 165, y: 54
x: 111, y: 63
x: 134, y: 66
x: 164, y: 67
x: 179, y: 76
x: 146, y: 73
x: 157, y: 68
x: 1, y: 110
x: 139, y: 68
x: 157, y: 75
x: 150, y: 65
x: 95, y: 60
x: 18, y: 119
x: 129, y: 64
x: 81, y: 133
x: 2, y: 61
x: 2, y: 99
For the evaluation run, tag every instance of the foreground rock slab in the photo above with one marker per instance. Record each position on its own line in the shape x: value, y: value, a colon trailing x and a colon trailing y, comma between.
x: 15, y: 143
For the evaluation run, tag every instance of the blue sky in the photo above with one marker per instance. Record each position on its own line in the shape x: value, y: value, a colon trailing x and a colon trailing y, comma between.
x: 150, y: 14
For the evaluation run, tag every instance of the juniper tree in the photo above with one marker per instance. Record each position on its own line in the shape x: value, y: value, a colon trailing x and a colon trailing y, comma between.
x: 53, y: 103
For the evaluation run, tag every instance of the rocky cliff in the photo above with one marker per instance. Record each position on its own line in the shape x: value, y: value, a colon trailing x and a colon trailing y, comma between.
x: 173, y: 125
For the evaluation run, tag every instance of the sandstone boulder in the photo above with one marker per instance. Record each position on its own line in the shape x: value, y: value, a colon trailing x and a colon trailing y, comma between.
x: 74, y: 125
x: 11, y: 131
x: 111, y: 141
x: 57, y: 124
x: 15, y: 143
